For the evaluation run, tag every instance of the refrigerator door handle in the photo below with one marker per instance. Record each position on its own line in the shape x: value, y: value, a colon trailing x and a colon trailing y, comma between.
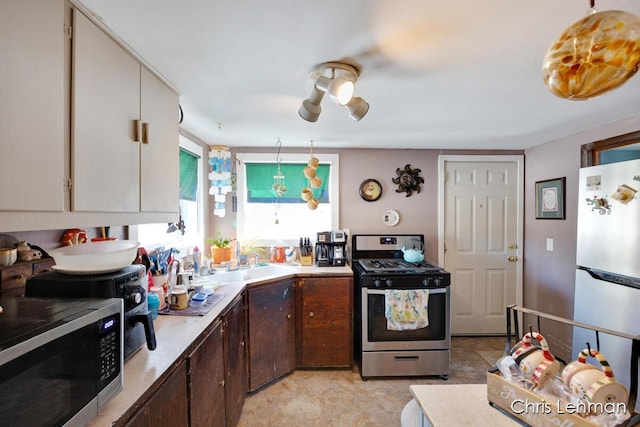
x: 617, y: 279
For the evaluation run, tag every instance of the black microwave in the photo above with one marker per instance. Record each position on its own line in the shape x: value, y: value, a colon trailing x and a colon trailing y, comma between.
x: 60, y: 359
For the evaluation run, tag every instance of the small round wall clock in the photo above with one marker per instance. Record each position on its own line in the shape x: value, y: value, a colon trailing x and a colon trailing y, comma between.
x: 391, y: 217
x: 370, y: 190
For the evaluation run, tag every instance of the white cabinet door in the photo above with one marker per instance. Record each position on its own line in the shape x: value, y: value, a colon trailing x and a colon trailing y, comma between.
x: 32, y: 101
x: 160, y: 159
x: 106, y: 104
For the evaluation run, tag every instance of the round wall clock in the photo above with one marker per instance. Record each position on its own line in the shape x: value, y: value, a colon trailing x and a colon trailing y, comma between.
x: 391, y: 217
x: 370, y: 190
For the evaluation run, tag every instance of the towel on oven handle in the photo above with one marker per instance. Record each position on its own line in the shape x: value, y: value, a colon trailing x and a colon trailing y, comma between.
x: 406, y: 309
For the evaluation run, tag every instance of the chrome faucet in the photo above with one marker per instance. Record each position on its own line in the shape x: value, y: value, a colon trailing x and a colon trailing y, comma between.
x: 227, y: 266
x: 256, y: 256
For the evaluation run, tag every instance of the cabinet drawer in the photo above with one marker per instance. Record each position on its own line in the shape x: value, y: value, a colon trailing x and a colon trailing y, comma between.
x: 15, y: 276
x: 43, y: 266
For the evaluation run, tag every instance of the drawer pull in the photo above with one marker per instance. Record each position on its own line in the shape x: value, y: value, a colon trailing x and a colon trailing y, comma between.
x: 405, y: 358
x: 311, y: 314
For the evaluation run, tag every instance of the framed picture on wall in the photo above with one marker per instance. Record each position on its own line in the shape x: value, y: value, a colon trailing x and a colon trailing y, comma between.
x: 550, y: 198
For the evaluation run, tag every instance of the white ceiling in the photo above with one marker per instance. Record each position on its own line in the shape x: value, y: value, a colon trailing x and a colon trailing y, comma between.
x: 454, y: 75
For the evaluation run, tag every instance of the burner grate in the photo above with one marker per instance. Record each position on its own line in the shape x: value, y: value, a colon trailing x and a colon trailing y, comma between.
x: 396, y: 266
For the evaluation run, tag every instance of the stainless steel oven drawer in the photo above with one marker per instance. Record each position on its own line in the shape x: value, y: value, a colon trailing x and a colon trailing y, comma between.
x: 405, y: 363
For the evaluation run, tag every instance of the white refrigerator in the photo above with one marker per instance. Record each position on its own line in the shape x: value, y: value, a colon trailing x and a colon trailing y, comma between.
x: 607, y: 288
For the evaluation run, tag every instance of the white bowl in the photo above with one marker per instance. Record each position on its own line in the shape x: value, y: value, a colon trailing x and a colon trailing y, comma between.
x: 8, y: 256
x: 95, y: 257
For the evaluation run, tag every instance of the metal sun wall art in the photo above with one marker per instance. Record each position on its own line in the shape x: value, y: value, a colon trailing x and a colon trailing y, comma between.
x: 408, y: 180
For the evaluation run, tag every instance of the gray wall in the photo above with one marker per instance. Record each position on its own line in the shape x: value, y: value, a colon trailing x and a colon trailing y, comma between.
x: 549, y: 276
x: 418, y: 213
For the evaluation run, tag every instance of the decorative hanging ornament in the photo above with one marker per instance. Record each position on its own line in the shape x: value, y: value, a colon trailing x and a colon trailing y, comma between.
x: 278, y: 179
x: 313, y: 181
x: 594, y: 55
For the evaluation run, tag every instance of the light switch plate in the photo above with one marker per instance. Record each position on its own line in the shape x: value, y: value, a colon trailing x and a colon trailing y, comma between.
x: 549, y: 244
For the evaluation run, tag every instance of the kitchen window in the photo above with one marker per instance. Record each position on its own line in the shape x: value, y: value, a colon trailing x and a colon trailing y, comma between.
x: 612, y: 150
x: 152, y: 236
x: 264, y: 218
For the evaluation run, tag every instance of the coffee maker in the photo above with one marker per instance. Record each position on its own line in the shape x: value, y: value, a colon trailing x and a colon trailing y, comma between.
x: 331, y: 248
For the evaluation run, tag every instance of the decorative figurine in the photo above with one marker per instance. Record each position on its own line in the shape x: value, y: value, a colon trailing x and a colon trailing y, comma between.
x: 600, y: 204
x: 25, y: 253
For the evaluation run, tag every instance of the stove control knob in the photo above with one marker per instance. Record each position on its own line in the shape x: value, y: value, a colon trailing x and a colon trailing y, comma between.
x: 425, y: 282
x: 376, y: 283
x: 135, y: 297
x: 388, y: 282
x: 437, y: 281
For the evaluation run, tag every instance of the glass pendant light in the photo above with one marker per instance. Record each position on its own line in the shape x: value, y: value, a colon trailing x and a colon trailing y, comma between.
x: 594, y: 55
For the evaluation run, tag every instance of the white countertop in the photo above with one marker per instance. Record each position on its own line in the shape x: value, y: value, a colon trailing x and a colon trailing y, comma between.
x: 459, y: 405
x: 175, y: 333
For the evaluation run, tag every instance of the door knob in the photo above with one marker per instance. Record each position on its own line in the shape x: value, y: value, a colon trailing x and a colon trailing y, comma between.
x: 512, y: 258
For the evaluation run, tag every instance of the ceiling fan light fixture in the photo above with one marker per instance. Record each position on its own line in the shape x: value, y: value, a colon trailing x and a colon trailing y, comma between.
x: 310, y: 109
x: 340, y: 86
x: 358, y: 108
x: 341, y: 90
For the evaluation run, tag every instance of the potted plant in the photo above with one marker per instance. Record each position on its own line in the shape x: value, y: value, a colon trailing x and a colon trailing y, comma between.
x: 220, y: 249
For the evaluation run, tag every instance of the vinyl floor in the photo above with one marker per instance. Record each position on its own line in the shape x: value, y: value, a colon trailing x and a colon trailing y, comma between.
x: 340, y: 398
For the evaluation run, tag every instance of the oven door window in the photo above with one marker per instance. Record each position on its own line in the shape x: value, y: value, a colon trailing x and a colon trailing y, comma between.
x: 378, y: 331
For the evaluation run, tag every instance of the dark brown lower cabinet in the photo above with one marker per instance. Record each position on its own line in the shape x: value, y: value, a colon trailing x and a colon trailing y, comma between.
x: 266, y: 332
x: 207, y: 381
x: 234, y: 323
x: 168, y: 405
x: 207, y: 387
x: 324, y: 312
x: 272, y: 351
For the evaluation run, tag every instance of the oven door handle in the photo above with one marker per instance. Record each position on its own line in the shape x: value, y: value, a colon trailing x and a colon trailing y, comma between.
x: 431, y: 291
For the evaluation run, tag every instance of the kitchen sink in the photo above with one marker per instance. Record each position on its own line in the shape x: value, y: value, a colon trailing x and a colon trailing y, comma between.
x: 252, y: 274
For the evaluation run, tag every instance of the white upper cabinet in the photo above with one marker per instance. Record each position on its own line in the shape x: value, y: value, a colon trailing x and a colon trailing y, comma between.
x: 160, y: 148
x: 124, y: 141
x: 32, y: 105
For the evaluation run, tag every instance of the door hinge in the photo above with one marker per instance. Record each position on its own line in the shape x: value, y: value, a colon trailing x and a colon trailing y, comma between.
x: 445, y: 247
x: 68, y: 31
x: 66, y: 184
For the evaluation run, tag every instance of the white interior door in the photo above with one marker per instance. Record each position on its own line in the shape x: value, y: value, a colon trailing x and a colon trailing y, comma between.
x: 481, y: 211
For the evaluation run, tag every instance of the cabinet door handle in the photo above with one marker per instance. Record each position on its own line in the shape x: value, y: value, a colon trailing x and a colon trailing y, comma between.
x: 136, y: 130
x: 311, y: 314
x: 288, y: 316
x: 221, y: 383
x: 145, y: 132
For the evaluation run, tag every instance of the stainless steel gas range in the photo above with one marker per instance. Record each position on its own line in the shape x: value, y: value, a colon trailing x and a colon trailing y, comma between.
x: 387, y: 286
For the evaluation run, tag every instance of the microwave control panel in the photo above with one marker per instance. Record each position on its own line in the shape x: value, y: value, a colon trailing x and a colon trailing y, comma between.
x: 109, y: 349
